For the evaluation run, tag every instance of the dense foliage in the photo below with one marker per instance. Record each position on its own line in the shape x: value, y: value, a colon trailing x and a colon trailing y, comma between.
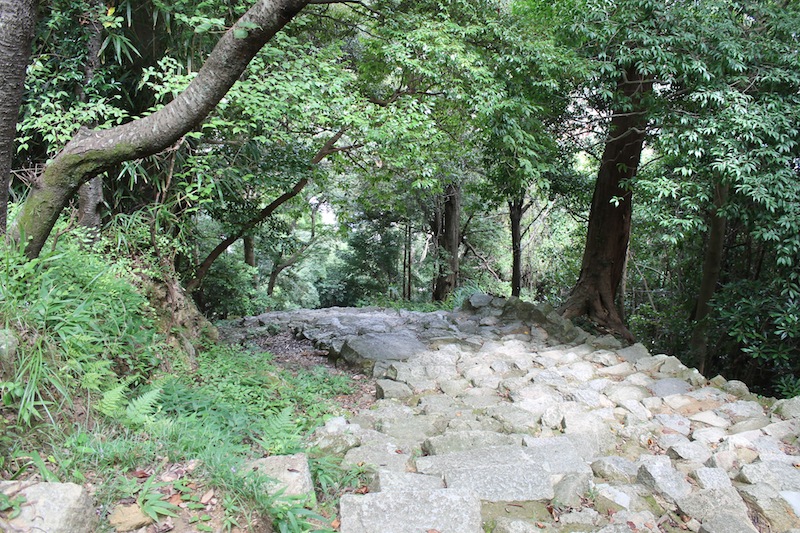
x: 400, y: 153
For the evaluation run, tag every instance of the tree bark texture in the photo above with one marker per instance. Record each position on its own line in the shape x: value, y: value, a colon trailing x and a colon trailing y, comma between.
x: 92, y: 152
x: 712, y: 266
x: 449, y: 242
x: 249, y: 250
x: 17, y: 28
x: 90, y: 194
x: 516, y: 209
x: 610, y: 216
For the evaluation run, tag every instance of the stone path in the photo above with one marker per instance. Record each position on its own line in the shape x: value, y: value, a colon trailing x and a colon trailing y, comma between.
x: 502, y: 417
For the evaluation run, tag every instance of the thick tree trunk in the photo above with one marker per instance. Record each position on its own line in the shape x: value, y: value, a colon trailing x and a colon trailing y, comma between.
x: 712, y: 265
x: 450, y: 242
x: 516, y: 209
x: 90, y: 153
x: 610, y: 216
x: 17, y: 27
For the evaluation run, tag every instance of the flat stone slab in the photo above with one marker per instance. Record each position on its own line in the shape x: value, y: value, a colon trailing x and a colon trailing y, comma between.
x: 387, y: 480
x: 497, y: 455
x: 503, y: 483
x: 457, y: 441
x: 363, y: 351
x: 445, y: 511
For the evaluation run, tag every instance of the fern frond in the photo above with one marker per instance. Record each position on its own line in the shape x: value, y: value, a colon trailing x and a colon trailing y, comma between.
x: 280, y: 432
x: 140, y: 410
x: 113, y: 401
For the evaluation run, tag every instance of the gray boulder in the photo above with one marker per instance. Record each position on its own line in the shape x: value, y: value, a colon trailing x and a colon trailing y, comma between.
x: 52, y: 507
x: 367, y: 351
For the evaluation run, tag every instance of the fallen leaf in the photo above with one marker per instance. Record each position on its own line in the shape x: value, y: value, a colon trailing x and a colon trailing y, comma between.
x: 362, y: 490
x: 336, y: 523
x: 175, y: 499
x: 141, y: 474
x: 207, y: 497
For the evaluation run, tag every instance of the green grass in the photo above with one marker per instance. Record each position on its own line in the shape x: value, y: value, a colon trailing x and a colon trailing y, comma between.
x: 237, y: 406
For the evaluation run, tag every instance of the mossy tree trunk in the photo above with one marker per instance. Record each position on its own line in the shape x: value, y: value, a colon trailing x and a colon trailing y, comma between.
x: 92, y: 152
x: 17, y: 28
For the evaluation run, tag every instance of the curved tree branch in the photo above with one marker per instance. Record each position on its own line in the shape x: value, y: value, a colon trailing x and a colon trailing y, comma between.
x: 90, y: 153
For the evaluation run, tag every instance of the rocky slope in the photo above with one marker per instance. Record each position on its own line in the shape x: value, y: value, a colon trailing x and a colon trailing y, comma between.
x: 503, y: 417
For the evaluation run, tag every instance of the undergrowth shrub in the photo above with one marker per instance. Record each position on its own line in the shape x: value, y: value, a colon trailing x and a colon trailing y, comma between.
x: 81, y: 323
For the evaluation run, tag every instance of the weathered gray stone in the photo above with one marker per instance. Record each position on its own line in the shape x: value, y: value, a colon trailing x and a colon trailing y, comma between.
x: 727, y: 523
x: 789, y: 408
x: 457, y: 441
x: 391, y: 481
x: 782, y: 476
x: 377, y: 458
x: 570, y: 490
x: 445, y: 511
x: 689, y: 451
x: 615, y: 468
x: 364, y: 351
x: 712, y: 478
x: 658, y: 474
x: 706, y: 503
x: 767, y: 501
x: 291, y: 474
x: 387, y: 388
x: 583, y: 517
x: 710, y: 418
x: 634, y: 353
x: 513, y: 525
x: 504, y: 482
x: 677, y: 423
x: 557, y: 455
x: 669, y: 386
x: 499, y: 455
x: 52, y: 507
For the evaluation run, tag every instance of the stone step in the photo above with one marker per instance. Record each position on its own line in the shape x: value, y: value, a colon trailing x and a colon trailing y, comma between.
x: 443, y: 510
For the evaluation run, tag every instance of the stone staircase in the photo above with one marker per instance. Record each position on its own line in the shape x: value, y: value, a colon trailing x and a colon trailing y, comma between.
x: 505, y: 432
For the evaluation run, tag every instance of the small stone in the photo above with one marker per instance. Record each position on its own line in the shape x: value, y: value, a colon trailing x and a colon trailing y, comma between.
x: 128, y: 518
x: 710, y: 418
x: 669, y: 386
x: 615, y: 468
x: 634, y: 353
x: 690, y: 451
x: 291, y: 473
x: 657, y: 473
x: 387, y: 389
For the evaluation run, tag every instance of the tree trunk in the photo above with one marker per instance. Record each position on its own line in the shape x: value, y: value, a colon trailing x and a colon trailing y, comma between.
x: 450, y: 242
x: 516, y: 209
x: 249, y: 250
x: 712, y: 265
x: 610, y: 216
x: 17, y: 27
x: 90, y: 194
x: 91, y: 153
x: 407, y: 262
